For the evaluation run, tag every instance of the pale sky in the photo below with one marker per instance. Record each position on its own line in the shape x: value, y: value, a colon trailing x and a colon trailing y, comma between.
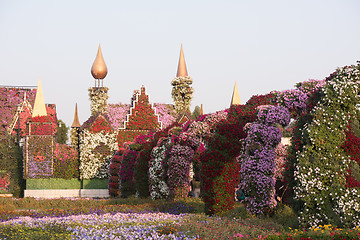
x: 263, y: 45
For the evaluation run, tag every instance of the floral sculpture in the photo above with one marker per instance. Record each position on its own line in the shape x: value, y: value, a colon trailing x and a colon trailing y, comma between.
x: 258, y: 163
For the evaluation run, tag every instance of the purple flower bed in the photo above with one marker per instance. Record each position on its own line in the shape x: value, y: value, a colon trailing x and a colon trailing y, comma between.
x: 109, y: 226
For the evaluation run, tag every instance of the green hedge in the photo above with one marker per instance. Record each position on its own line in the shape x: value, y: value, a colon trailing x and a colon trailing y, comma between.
x: 59, y: 183
x: 95, y: 184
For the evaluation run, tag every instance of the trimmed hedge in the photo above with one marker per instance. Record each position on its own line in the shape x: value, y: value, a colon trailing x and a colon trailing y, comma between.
x: 59, y: 183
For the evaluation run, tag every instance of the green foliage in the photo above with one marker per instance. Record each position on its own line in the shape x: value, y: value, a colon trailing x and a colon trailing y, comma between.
x: 11, y: 161
x: 141, y: 171
x: 53, y: 183
x: 45, y: 232
x: 196, y: 113
x: 62, y: 132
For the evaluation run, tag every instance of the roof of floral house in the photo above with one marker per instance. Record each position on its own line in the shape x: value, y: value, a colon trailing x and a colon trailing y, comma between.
x: 10, y: 98
x: 142, y: 115
x: 101, y: 120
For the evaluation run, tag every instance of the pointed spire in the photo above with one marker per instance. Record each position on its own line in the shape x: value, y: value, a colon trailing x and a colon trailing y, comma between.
x: 39, y: 105
x: 201, y: 110
x: 235, y: 97
x: 76, y: 123
x: 181, y: 72
x: 99, y: 69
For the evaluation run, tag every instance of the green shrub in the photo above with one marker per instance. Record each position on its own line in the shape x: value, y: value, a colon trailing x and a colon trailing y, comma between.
x: 11, y: 160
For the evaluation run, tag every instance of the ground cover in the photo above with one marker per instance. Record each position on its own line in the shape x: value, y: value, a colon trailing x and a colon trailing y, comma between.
x: 135, y: 218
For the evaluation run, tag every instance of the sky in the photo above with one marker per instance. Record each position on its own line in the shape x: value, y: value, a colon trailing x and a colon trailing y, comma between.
x: 262, y: 45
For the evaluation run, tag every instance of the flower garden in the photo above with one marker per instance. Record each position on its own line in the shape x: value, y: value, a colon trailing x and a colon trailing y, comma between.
x: 252, y: 186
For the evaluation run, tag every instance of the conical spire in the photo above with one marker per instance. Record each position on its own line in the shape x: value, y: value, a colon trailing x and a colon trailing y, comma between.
x: 39, y: 105
x: 76, y: 123
x: 201, y: 110
x: 235, y: 97
x: 99, y: 69
x: 181, y: 72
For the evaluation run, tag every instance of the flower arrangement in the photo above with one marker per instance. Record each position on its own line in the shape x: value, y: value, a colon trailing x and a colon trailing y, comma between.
x: 182, y: 93
x: 258, y: 165
x: 98, y: 97
x: 66, y: 162
x: 219, y: 168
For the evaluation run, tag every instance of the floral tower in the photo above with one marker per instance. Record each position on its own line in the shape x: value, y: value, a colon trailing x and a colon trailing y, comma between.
x: 39, y: 141
x: 182, y: 91
x: 97, y: 139
x: 98, y: 94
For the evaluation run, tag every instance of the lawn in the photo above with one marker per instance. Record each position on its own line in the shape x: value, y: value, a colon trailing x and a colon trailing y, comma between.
x: 135, y: 218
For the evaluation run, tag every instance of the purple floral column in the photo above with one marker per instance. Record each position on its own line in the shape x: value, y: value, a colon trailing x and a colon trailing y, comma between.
x: 258, y: 163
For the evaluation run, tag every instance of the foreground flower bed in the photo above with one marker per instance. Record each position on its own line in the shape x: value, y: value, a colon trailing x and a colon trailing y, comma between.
x: 136, y: 218
x: 93, y: 226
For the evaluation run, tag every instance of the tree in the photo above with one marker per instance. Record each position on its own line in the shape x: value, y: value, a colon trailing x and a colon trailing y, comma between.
x: 62, y: 132
x: 196, y: 113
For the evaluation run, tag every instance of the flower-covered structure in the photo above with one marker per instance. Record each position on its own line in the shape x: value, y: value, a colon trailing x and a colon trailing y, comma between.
x: 258, y: 165
x: 141, y: 118
x: 97, y: 145
x: 322, y: 153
